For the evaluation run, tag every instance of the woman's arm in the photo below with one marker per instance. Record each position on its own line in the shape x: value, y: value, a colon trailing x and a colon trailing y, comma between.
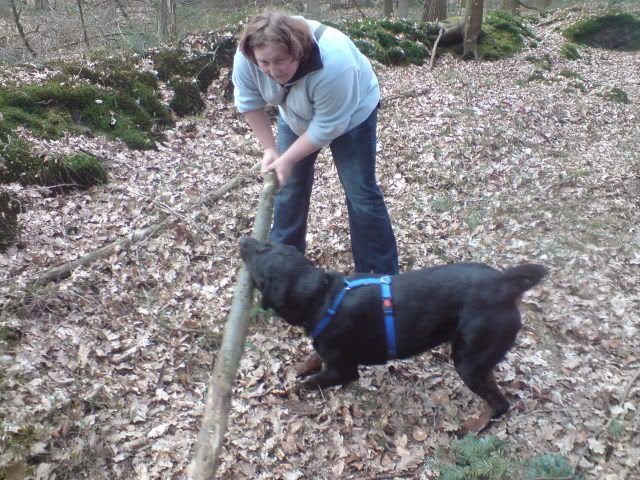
x: 272, y: 160
x: 296, y: 152
x: 261, y: 127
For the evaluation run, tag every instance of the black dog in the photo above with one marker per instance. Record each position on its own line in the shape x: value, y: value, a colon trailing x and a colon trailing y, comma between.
x: 471, y: 305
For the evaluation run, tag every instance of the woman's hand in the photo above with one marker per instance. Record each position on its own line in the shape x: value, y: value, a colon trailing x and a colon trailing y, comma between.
x: 281, y: 166
x: 268, y: 157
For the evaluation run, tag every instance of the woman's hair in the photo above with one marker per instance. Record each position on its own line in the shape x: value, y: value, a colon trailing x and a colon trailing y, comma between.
x: 280, y: 30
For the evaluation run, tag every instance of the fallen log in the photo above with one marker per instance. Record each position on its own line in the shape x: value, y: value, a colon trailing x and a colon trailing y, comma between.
x: 216, y: 413
x: 63, y: 271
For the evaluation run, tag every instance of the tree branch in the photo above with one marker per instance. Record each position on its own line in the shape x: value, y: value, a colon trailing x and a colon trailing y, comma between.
x: 166, y: 221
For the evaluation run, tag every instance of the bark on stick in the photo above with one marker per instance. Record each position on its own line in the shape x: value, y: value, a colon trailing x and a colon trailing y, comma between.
x: 216, y: 413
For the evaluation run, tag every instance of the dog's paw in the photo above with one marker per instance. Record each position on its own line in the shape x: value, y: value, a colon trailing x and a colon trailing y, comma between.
x: 477, y: 424
x: 310, y: 365
x: 309, y: 386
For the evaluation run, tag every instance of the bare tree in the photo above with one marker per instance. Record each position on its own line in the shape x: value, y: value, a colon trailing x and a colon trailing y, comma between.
x: 43, y: 5
x: 434, y: 10
x: 313, y: 8
x: 121, y: 8
x: 388, y: 8
x: 471, y: 30
x: 167, y: 25
x: 84, y: 26
x: 16, y: 19
x: 403, y: 8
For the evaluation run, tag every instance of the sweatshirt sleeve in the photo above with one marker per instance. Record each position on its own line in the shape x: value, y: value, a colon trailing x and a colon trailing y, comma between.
x: 335, y: 100
x: 247, y: 96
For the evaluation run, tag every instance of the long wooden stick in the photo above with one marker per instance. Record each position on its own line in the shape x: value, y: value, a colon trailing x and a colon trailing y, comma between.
x: 435, y: 46
x: 216, y: 413
x: 64, y: 270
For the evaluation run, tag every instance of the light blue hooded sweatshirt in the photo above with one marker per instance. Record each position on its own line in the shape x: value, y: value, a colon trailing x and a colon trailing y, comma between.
x: 335, y: 91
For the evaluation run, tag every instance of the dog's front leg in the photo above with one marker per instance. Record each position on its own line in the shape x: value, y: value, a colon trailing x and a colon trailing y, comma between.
x: 332, y: 375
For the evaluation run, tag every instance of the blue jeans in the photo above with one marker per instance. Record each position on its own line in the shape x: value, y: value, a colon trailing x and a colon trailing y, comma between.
x: 373, y: 243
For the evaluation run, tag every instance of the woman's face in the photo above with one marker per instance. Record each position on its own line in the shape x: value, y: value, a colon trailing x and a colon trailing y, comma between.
x: 277, y: 62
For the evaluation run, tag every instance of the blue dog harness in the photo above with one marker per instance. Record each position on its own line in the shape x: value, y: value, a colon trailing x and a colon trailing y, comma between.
x: 387, y: 308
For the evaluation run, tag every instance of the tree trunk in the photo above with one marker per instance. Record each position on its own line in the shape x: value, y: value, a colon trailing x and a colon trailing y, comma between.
x: 403, y: 8
x: 216, y: 413
x: 43, y: 5
x: 84, y: 27
x: 388, y: 8
x: 16, y: 19
x: 434, y: 10
x: 167, y: 25
x: 313, y: 8
x: 472, y: 25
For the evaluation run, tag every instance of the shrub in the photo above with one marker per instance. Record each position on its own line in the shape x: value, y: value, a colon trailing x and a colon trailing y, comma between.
x: 487, y: 458
x: 186, y: 99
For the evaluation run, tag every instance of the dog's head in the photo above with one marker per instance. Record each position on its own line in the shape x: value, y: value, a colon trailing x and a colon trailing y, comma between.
x: 288, y: 281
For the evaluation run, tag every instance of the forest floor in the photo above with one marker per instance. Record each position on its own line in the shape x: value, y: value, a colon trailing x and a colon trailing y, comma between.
x: 104, y: 373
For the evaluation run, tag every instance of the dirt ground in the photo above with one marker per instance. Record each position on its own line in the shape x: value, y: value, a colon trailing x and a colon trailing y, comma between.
x: 104, y: 373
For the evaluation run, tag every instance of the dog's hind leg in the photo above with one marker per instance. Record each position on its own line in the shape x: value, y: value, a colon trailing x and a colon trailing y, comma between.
x: 495, y: 404
x: 476, y: 368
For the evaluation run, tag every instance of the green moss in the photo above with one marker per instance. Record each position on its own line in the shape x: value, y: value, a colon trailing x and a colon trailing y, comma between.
x: 617, y: 95
x: 62, y: 172
x: 543, y: 62
x: 204, y: 67
x: 9, y: 209
x: 570, y: 51
x: 52, y: 108
x: 570, y: 74
x: 391, y: 42
x: 80, y: 170
x: 503, y: 35
x: 372, y: 49
x: 614, y: 31
x: 186, y: 99
x: 20, y: 165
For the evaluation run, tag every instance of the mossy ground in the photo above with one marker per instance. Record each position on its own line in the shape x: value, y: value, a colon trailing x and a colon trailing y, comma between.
x: 180, y: 67
x: 62, y: 172
x: 503, y: 35
x: 109, y: 95
x: 614, y: 31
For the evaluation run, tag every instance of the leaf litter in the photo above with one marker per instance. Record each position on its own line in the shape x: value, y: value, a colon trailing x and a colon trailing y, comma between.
x: 105, y: 372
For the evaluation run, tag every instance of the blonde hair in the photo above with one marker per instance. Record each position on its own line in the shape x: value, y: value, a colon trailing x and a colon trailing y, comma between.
x: 277, y: 29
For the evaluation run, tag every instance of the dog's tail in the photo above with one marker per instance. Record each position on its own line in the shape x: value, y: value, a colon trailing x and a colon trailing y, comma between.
x: 523, y: 277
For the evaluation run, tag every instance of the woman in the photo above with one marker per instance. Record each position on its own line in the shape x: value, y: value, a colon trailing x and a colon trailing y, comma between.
x: 327, y: 94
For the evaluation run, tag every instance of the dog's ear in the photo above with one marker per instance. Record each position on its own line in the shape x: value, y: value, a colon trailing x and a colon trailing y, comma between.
x: 274, y: 293
x: 312, y: 282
